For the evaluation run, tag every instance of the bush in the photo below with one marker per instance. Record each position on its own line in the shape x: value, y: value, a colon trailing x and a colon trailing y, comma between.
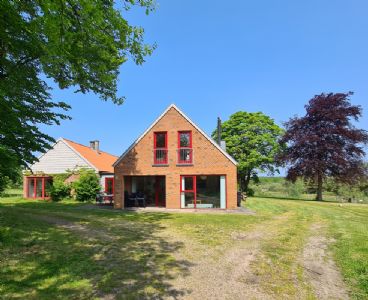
x: 295, y: 190
x: 59, y: 190
x: 87, y: 186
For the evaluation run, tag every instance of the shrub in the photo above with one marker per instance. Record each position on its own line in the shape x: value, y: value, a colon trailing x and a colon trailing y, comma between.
x: 295, y: 190
x: 87, y: 186
x: 59, y: 190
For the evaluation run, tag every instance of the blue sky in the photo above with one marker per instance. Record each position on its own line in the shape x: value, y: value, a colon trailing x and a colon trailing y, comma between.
x: 216, y: 57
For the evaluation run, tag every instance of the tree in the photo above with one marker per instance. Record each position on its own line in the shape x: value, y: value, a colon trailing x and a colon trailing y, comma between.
x: 324, y: 143
x: 253, y: 140
x: 87, y: 186
x: 78, y: 44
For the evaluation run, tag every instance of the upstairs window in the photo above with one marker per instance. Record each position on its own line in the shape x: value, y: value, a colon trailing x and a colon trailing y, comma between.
x: 185, y: 151
x: 160, y: 151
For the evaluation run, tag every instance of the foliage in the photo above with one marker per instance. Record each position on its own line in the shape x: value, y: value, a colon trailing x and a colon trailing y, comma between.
x: 9, y: 168
x: 324, y: 143
x: 87, y: 186
x: 78, y: 44
x: 279, y: 187
x: 59, y: 190
x: 63, y: 176
x: 253, y: 140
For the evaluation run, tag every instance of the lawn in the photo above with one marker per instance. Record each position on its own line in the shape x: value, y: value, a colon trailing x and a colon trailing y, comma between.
x: 70, y: 250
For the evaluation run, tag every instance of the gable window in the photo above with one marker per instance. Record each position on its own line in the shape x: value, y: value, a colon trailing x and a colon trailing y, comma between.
x: 109, y: 185
x: 185, y: 151
x: 160, y: 148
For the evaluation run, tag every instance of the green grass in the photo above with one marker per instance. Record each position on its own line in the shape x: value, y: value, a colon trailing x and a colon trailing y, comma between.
x: 127, y: 255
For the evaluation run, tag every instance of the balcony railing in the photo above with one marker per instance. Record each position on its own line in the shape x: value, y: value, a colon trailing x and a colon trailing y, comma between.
x: 160, y: 156
x: 185, y: 156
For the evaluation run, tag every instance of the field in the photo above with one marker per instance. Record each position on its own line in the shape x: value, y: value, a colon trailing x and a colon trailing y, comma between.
x: 287, y: 249
x: 278, y: 187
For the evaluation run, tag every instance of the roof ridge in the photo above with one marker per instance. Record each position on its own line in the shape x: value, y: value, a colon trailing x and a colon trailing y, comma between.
x: 89, y: 147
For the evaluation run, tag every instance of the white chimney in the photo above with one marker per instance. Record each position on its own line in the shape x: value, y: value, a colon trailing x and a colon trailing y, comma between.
x: 223, y: 145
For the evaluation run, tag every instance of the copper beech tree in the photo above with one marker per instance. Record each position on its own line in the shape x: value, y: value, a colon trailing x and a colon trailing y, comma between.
x: 325, y: 143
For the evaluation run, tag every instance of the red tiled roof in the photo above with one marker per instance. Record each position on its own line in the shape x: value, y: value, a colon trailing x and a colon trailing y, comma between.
x: 101, y: 160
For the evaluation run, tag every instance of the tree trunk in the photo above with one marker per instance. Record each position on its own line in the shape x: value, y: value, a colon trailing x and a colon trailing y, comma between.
x: 319, y: 187
x: 247, y: 181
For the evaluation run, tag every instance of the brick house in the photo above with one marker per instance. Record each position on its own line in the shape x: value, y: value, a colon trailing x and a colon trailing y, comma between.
x: 174, y: 164
x: 64, y: 156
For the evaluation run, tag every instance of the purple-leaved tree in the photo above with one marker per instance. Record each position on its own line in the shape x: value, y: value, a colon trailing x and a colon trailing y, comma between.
x: 324, y: 143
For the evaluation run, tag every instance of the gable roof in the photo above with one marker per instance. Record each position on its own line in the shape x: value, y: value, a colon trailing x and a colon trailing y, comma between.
x: 101, y: 161
x: 190, y: 121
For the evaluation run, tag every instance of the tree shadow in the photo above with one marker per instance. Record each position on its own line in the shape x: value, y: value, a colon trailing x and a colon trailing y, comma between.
x: 45, y: 260
x: 296, y: 199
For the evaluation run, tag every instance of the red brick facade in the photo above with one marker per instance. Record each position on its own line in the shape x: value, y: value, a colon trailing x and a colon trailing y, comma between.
x: 207, y: 160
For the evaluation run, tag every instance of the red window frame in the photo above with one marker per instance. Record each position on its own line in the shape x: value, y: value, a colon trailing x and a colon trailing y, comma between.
x: 155, y: 148
x: 194, y: 190
x: 43, y: 190
x: 190, y: 161
x: 107, y: 179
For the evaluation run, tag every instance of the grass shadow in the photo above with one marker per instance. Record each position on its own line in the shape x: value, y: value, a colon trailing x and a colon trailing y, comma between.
x: 40, y: 259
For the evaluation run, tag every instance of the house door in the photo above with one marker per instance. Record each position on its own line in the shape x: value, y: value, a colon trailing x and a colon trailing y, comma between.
x: 160, y: 191
x: 188, y: 192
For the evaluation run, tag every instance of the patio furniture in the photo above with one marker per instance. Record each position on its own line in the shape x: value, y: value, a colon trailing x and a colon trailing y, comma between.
x: 137, y: 199
x: 99, y: 198
x: 103, y: 198
x: 109, y: 198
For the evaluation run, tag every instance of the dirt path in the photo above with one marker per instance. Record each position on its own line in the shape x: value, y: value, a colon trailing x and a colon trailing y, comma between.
x: 226, y: 272
x: 320, y: 269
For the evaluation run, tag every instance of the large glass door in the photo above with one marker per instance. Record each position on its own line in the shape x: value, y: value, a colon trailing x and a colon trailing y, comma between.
x: 188, y: 191
x: 203, y: 191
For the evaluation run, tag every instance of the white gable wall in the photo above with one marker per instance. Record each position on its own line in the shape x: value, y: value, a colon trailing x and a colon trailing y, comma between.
x: 59, y: 159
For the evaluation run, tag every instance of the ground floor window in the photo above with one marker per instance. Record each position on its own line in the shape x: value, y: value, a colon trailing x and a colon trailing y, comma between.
x: 149, y: 190
x: 38, y: 187
x: 203, y: 191
x: 109, y: 185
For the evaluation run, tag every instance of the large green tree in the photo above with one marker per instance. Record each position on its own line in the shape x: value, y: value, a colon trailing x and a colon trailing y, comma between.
x: 76, y: 43
x: 253, y: 140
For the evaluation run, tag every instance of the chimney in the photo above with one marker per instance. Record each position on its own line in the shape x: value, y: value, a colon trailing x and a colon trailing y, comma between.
x: 219, y: 131
x: 95, y: 145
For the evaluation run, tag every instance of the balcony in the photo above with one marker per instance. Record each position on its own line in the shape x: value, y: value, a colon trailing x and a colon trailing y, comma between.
x: 160, y: 156
x: 185, y: 156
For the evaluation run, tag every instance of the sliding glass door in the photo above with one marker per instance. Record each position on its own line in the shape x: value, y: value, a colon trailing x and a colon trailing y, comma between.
x: 203, y: 191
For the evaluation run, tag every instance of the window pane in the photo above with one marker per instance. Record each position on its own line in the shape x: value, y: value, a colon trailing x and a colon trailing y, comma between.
x: 48, y: 185
x: 160, y: 156
x: 30, y: 188
x: 160, y: 139
x: 185, y: 155
x: 38, y: 187
x: 184, y: 139
x: 188, y: 184
x: 109, y: 184
x: 208, y: 192
x: 188, y: 199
